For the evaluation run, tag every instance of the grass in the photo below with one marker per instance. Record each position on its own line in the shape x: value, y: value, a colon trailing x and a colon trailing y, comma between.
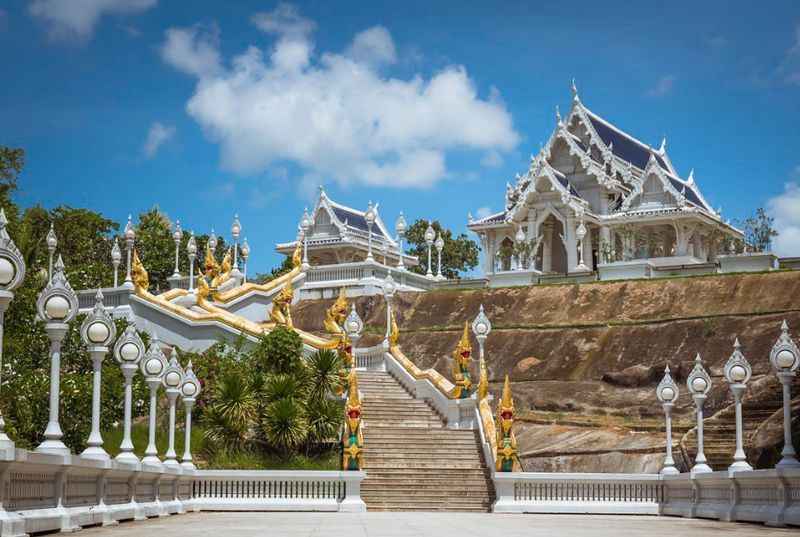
x: 256, y: 460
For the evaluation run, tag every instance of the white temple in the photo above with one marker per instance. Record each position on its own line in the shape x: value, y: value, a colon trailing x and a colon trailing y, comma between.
x: 598, y: 203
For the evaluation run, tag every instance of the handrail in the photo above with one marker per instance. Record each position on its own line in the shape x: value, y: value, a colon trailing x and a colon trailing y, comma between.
x: 434, y: 377
x: 488, y: 432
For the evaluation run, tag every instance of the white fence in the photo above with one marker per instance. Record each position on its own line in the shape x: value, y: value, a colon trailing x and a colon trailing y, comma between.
x: 371, y: 358
x: 267, y: 490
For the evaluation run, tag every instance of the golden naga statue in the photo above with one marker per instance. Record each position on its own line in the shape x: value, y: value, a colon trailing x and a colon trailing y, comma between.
x: 506, y: 454
x: 336, y: 314
x: 141, y: 281
x: 224, y: 271
x: 201, y: 288
x: 211, y: 267
x: 461, y: 359
x: 282, y: 306
x: 394, y: 332
x: 297, y: 255
x: 353, y: 438
x: 345, y: 350
x: 483, y: 383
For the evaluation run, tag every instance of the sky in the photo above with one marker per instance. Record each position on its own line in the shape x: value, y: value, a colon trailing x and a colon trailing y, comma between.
x: 208, y: 109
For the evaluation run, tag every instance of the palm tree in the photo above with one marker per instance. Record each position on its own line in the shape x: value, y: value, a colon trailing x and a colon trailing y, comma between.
x: 284, y: 425
x: 324, y: 371
x: 232, y: 414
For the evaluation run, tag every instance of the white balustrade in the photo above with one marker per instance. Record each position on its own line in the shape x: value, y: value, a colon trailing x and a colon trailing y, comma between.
x: 371, y: 358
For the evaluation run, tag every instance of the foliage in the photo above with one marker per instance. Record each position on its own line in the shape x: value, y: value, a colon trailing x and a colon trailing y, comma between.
x: 759, y: 231
x: 11, y: 164
x: 459, y: 254
x: 280, y: 270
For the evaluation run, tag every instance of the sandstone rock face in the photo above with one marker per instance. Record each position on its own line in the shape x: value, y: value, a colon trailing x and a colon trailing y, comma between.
x: 588, y: 357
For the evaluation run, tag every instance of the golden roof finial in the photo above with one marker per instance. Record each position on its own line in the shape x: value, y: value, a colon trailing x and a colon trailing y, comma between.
x: 507, y: 401
x: 141, y: 280
x: 464, y: 344
x: 297, y: 256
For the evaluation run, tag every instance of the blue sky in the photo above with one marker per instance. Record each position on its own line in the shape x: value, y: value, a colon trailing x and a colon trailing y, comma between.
x: 429, y: 108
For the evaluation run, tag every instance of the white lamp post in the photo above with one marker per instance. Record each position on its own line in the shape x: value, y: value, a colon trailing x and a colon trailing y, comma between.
x: 305, y: 225
x: 172, y: 380
x: 57, y: 305
x: 481, y: 328
x: 389, y: 289
x: 369, y: 216
x: 400, y: 227
x: 699, y: 384
x: 116, y: 258
x: 519, y: 238
x: 430, y: 235
x: 236, y: 230
x: 245, y: 255
x: 190, y: 389
x: 12, y: 273
x: 191, y: 249
x: 152, y: 367
x: 97, y: 332
x: 737, y: 373
x: 52, y: 243
x: 212, y: 242
x: 667, y: 393
x: 439, y: 246
x: 785, y: 358
x: 353, y: 325
x: 177, y: 236
x: 130, y: 237
x: 580, y: 233
x: 128, y: 352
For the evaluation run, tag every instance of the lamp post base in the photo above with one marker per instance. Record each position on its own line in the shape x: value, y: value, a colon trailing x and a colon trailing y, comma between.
x: 788, y: 461
x: 53, y: 447
x: 669, y: 470
x: 95, y: 453
x: 701, y: 468
x: 188, y: 465
x: 172, y: 463
x: 152, y: 460
x: 127, y: 456
x: 740, y: 466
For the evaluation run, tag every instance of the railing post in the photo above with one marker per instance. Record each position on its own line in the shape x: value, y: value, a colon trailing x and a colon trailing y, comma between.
x: 352, y: 502
x: 11, y: 524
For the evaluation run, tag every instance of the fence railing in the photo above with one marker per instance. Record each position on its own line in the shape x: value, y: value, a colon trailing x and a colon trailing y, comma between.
x: 531, y: 492
x: 355, y: 273
x: 113, y: 297
x: 267, y: 490
x: 371, y: 358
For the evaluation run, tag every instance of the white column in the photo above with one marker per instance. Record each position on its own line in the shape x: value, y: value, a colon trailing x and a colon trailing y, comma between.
x: 5, y: 300
x: 53, y: 434
x: 95, y: 443
x: 186, y: 460
x: 789, y: 457
x: 700, y: 465
x: 571, y: 243
x: 126, y: 447
x: 128, y: 280
x: 547, y: 249
x: 171, y: 459
x: 151, y: 453
x: 739, y: 458
x: 669, y: 462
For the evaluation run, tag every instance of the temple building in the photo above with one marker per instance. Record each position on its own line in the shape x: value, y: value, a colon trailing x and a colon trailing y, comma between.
x: 598, y: 203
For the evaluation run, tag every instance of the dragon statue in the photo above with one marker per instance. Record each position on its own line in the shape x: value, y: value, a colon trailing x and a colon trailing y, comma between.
x: 202, y: 290
x: 506, y: 454
x: 483, y: 382
x: 394, y: 332
x: 211, y: 266
x: 225, y: 269
x: 281, y: 313
x: 461, y: 360
x: 353, y: 439
x: 297, y: 256
x: 335, y: 315
x: 141, y: 281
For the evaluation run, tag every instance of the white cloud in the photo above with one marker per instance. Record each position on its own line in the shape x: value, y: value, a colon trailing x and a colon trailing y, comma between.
x: 192, y: 50
x: 77, y: 18
x: 483, y: 212
x: 789, y: 69
x: 785, y: 208
x: 492, y: 159
x: 334, y: 114
x: 663, y: 87
x: 156, y: 137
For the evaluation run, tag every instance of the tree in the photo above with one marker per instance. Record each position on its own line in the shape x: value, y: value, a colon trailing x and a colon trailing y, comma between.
x: 758, y: 231
x: 285, y: 266
x: 459, y: 254
x: 11, y: 163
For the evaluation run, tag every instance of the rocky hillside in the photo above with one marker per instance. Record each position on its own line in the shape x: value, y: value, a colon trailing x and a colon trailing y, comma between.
x: 585, y: 359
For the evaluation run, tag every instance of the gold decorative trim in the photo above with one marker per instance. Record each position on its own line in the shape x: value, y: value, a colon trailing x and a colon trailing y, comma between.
x: 436, y: 378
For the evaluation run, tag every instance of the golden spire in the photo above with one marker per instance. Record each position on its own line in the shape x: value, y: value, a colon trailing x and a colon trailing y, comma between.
x: 141, y: 281
x: 464, y: 344
x: 507, y: 401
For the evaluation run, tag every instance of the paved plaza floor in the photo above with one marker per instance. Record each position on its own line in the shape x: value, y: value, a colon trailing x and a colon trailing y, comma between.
x: 429, y: 525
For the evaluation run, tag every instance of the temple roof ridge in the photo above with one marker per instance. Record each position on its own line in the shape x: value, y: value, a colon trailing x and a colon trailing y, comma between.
x: 353, y: 218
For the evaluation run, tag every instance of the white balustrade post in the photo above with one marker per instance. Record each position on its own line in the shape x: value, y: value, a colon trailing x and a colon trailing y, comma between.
x: 52, y: 243
x: 737, y: 373
x: 57, y: 305
x: 667, y: 393
x: 430, y: 235
x: 172, y: 380
x: 128, y: 351
x: 785, y: 359
x: 699, y: 383
x: 152, y: 367
x: 97, y: 332
x: 191, y: 248
x: 177, y: 236
x: 190, y: 389
x: 116, y: 258
x: 12, y: 274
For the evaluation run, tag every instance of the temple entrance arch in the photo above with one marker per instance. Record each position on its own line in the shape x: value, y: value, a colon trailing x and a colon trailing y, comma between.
x: 552, y: 255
